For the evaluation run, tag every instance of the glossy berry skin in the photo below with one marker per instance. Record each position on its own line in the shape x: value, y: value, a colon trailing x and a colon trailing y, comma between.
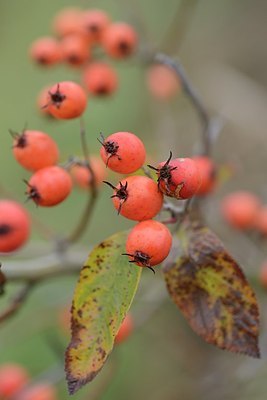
x: 162, y: 82
x: 123, y: 152
x: 49, y: 186
x: 82, y: 176
x: 208, y: 174
x: 148, y: 243
x: 179, y: 178
x: 261, y: 220
x: 68, y: 22
x: 119, y: 40
x: 75, y: 50
x: 13, y: 378
x: 95, y: 22
x: 100, y: 79
x: 240, y: 209
x: 137, y: 198
x: 66, y: 100
x: 35, y: 150
x: 14, y: 226
x: 45, y: 51
x: 41, y: 391
x: 125, y: 330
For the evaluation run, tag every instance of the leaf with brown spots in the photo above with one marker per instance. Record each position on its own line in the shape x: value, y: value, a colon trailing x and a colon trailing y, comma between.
x: 2, y: 281
x: 102, y: 297
x: 211, y: 291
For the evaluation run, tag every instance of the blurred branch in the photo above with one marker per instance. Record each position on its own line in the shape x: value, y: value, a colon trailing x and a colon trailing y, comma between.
x: 17, y: 302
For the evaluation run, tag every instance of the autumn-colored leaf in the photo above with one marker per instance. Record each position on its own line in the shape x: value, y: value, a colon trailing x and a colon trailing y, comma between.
x: 211, y: 291
x: 102, y: 297
x: 2, y: 281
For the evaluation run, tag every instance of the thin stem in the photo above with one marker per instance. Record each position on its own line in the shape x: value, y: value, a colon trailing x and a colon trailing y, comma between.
x: 17, y: 302
x: 92, y: 191
x: 192, y: 94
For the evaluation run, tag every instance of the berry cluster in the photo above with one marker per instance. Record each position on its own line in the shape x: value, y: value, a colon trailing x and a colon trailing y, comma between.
x: 15, y: 383
x: 140, y: 198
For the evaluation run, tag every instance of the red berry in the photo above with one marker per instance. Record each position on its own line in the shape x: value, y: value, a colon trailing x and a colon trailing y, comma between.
x: 49, y: 186
x: 148, y: 243
x: 68, y: 22
x: 41, y: 391
x: 207, y: 171
x: 179, y: 178
x: 137, y: 198
x: 261, y: 220
x: 95, y: 23
x: 123, y: 152
x: 66, y: 100
x: 45, y: 51
x: 119, y: 40
x: 100, y: 79
x: 75, y: 50
x: 35, y: 150
x: 82, y: 176
x: 162, y: 82
x: 240, y: 209
x: 13, y: 378
x: 14, y: 226
x: 125, y: 330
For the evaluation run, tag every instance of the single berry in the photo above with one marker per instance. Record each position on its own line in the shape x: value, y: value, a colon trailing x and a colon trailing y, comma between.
x: 41, y: 391
x: 123, y: 152
x: 66, y: 100
x: 13, y: 378
x: 208, y: 174
x: 162, y: 82
x: 75, y: 50
x: 125, y: 330
x: 49, y: 186
x: 179, y: 178
x: 14, y: 226
x: 82, y: 176
x: 261, y: 220
x: 35, y: 150
x: 119, y: 40
x: 68, y: 22
x: 137, y: 198
x: 95, y: 23
x: 100, y: 79
x: 240, y: 209
x: 46, y: 51
x: 148, y: 243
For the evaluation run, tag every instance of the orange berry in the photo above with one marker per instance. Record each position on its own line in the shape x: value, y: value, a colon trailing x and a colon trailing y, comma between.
x: 125, y: 330
x: 100, y: 79
x: 94, y: 23
x: 41, y: 391
x: 13, y: 378
x: 68, y: 22
x: 208, y: 174
x: 137, y: 198
x: 35, y: 150
x: 66, y: 100
x: 162, y: 82
x: 75, y: 50
x: 119, y: 40
x: 123, y: 152
x: 179, y: 178
x: 82, y: 176
x: 49, y: 186
x: 148, y: 243
x: 261, y: 220
x: 46, y: 51
x: 240, y: 209
x: 14, y: 226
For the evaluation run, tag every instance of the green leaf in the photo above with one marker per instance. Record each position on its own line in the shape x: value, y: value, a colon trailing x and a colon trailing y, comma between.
x: 102, y: 297
x: 211, y: 291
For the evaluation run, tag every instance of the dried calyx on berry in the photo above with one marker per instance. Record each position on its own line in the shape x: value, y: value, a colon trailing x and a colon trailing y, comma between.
x: 121, y: 193
x: 111, y: 148
x: 164, y: 172
x: 140, y: 258
x: 57, y: 97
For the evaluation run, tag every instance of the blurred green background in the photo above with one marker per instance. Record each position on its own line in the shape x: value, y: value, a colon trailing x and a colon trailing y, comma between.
x: 222, y: 44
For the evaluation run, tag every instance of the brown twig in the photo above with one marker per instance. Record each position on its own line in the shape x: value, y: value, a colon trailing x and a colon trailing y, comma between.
x: 17, y: 302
